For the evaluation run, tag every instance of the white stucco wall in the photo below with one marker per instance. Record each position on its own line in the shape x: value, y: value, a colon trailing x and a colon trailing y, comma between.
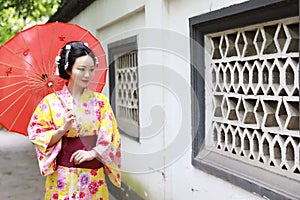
x: 159, y: 166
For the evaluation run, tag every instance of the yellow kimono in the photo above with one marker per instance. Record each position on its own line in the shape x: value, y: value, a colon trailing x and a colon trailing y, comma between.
x: 94, y: 116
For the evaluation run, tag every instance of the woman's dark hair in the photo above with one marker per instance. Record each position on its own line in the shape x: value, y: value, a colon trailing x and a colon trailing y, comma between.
x: 77, y: 49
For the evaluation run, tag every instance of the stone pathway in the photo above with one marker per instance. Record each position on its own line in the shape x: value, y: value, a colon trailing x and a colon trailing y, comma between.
x: 19, y: 173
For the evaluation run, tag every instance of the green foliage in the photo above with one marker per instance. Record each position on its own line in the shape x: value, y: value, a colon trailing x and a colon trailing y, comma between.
x: 16, y: 15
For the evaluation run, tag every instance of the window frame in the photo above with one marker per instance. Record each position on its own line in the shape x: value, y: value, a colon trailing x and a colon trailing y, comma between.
x: 248, y: 177
x: 122, y: 46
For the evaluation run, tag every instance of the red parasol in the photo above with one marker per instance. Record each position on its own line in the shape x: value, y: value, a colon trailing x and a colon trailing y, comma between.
x: 27, y: 69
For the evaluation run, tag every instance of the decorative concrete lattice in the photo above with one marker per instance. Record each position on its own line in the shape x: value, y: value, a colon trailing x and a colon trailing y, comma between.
x: 255, y: 91
x: 126, y: 86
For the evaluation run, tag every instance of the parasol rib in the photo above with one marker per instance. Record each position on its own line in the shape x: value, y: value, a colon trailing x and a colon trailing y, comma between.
x: 28, y: 46
x: 43, y: 67
x: 20, y: 68
x: 17, y: 55
x: 20, y: 111
x: 51, y: 61
x: 11, y: 94
x: 13, y: 103
x: 14, y: 76
x: 11, y: 85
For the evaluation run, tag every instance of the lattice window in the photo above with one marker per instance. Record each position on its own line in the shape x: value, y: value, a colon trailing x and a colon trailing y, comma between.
x: 254, y: 74
x: 126, y: 85
x: 123, y: 85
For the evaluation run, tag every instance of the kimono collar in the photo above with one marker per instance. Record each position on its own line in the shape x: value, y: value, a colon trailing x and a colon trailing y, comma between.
x: 66, y: 95
x: 65, y: 92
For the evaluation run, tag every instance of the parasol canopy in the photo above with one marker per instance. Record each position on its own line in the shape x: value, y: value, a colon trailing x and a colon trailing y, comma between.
x: 27, y: 69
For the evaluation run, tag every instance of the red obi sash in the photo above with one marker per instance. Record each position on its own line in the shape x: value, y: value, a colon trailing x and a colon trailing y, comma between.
x: 72, y: 144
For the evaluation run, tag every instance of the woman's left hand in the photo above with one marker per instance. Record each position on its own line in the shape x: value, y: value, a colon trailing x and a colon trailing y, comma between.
x: 81, y: 156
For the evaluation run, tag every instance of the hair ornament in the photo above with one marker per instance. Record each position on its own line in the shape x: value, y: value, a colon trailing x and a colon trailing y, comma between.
x: 68, y: 48
x: 86, y: 44
x: 96, y: 61
x: 57, y: 59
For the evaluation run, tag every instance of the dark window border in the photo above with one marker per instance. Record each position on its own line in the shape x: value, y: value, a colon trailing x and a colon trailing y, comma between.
x: 116, y: 48
x: 251, y: 178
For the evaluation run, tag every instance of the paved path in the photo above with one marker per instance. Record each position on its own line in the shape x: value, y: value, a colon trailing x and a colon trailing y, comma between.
x: 19, y: 173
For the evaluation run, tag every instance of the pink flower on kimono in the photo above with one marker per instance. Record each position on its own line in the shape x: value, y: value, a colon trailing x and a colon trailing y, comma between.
x: 112, y: 156
x: 103, y: 130
x: 66, y: 198
x: 98, y: 114
x: 111, y: 116
x: 93, y: 187
x: 35, y: 116
x: 44, y: 107
x: 73, y: 170
x: 104, y: 143
x: 87, y: 112
x: 118, y: 154
x: 101, y: 103
x: 84, y: 104
x: 93, y: 102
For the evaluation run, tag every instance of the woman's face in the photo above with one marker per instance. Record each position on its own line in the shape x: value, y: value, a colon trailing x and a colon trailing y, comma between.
x: 82, y: 71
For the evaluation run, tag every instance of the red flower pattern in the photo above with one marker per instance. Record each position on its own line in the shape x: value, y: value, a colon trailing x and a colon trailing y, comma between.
x: 118, y: 154
x: 55, y: 196
x: 81, y: 195
x: 94, y: 172
x: 93, y: 187
x: 100, y: 182
x: 112, y: 156
x: 104, y: 142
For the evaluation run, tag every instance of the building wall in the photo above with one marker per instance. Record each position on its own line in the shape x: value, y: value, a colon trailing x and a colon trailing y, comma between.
x: 159, y: 165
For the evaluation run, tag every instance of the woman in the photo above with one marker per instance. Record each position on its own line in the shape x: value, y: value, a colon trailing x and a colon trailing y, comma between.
x: 75, y: 132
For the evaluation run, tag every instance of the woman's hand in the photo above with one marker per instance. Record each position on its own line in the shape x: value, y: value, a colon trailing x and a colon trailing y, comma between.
x: 81, y: 156
x: 69, y: 117
x: 68, y: 120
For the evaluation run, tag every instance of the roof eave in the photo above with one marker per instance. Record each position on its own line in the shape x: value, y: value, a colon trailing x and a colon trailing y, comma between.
x: 69, y: 9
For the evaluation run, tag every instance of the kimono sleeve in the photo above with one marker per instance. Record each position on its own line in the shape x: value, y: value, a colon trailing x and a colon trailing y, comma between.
x: 40, y: 130
x: 108, y: 144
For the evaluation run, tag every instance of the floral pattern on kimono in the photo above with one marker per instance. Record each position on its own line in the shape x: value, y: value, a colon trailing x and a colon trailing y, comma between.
x: 94, y: 116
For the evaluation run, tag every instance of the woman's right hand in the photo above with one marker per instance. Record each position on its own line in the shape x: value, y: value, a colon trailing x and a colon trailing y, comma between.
x: 69, y: 118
